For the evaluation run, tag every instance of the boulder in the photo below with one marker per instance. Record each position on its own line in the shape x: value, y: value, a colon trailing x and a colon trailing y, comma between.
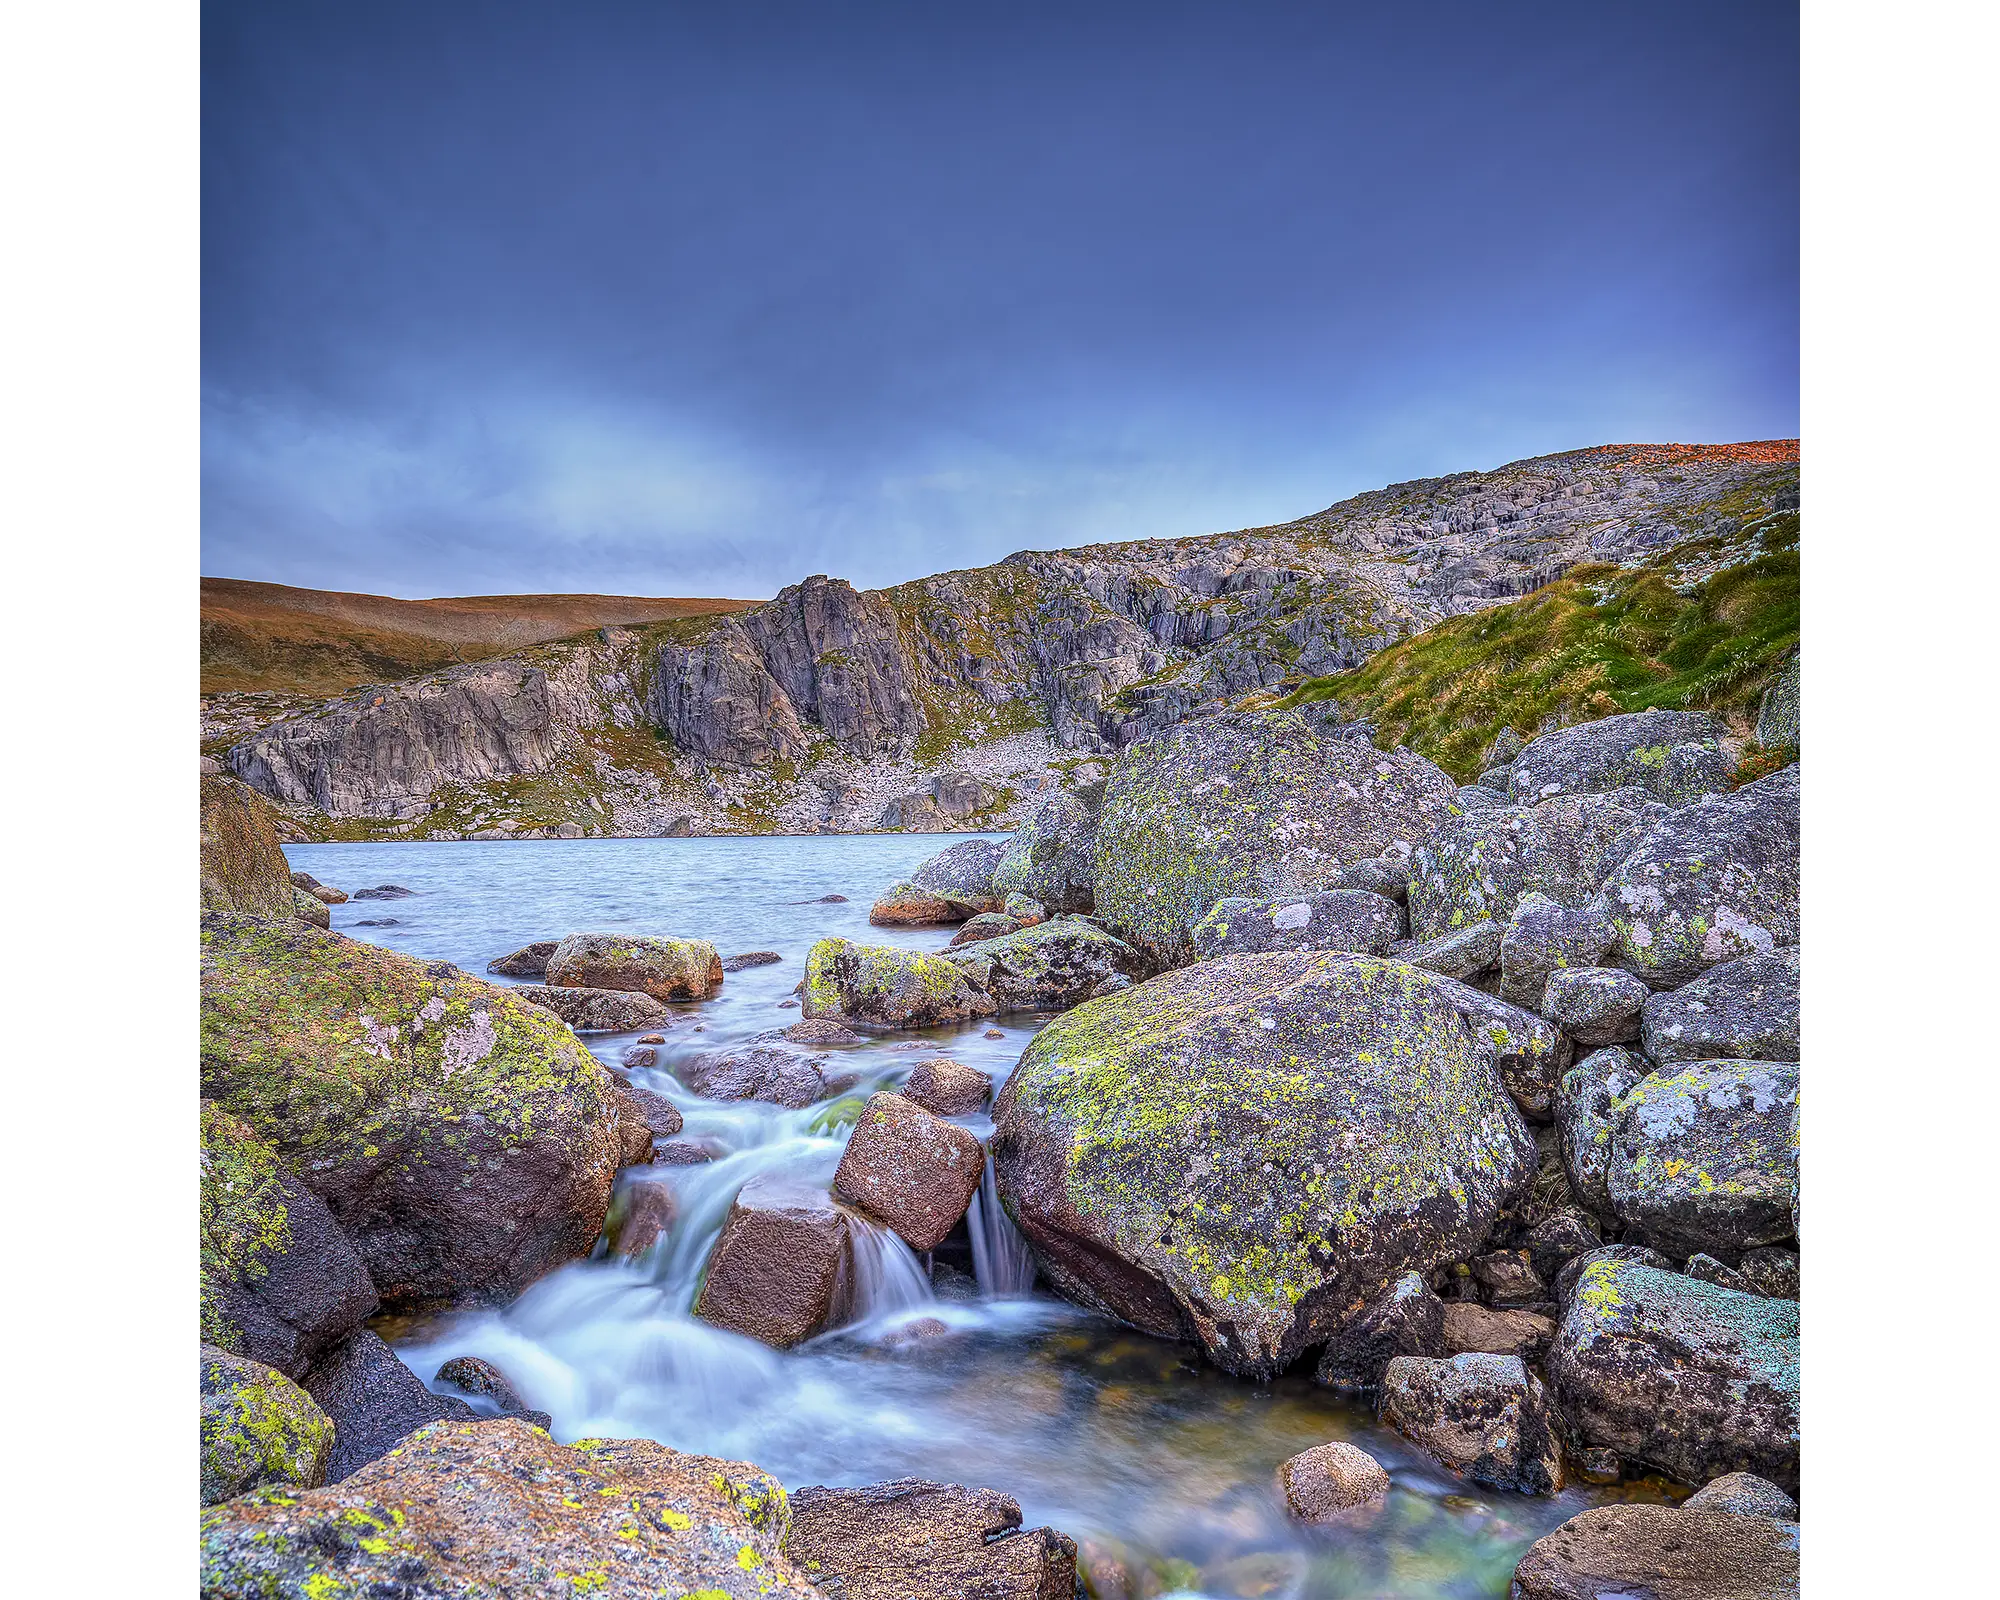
x: 1485, y: 1417
x: 821, y: 1030
x: 1025, y: 909
x: 1778, y: 712
x: 666, y: 969
x: 1473, y: 1329
x: 1771, y: 1271
x: 257, y: 1427
x: 1748, y: 1008
x: 448, y: 1514
x: 530, y: 961
x: 1594, y: 1005
x: 1463, y: 954
x: 1508, y: 1278
x: 1745, y: 1495
x: 1323, y: 1483
x: 243, y: 870
x: 1050, y: 966
x: 910, y: 1169
x: 1638, y: 1254
x: 1587, y: 1097
x: 383, y: 1082
x: 776, y: 1270
x: 960, y: 794
x: 1507, y: 744
x: 661, y: 1116
x: 1258, y: 804
x: 952, y: 885
x: 1559, y: 1239
x: 1481, y: 864
x: 1405, y: 1320
x: 770, y: 1073
x: 1676, y: 756
x: 987, y: 925
x: 1682, y: 1376
x: 1662, y: 1553
x: 325, y: 893
x: 596, y: 1010
x: 1333, y: 919
x: 1250, y: 1151
x: 888, y: 987
x: 634, y: 1135
x: 1701, y: 1157
x: 1049, y: 856
x: 1543, y: 938
x: 947, y: 1088
x: 384, y: 891
x: 374, y: 1401
x: 1387, y: 875
x: 310, y: 909
x: 475, y: 1375
x: 280, y: 1282
x: 912, y: 1537
x: 1714, y: 881
x: 1528, y: 1054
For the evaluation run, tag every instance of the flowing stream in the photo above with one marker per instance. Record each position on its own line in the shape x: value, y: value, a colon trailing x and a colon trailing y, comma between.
x: 1158, y: 1465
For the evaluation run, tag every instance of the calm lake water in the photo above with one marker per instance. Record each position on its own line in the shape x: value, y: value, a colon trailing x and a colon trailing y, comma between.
x: 1131, y: 1445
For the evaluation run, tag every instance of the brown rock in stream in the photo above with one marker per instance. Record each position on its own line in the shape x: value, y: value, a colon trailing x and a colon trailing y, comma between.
x: 1328, y: 1480
x: 911, y: 1537
x: 947, y: 1088
x: 910, y: 1169
x: 776, y: 1270
x: 1662, y: 1553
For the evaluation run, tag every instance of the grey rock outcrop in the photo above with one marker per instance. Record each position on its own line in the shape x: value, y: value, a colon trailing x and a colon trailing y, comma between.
x: 1748, y: 1008
x: 1672, y: 755
x: 1333, y: 919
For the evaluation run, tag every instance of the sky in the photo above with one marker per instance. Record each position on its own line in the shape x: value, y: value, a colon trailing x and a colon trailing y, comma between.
x: 666, y: 299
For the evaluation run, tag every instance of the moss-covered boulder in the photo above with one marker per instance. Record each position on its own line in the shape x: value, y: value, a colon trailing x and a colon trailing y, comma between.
x: 1702, y: 1156
x: 1673, y: 755
x: 1050, y: 966
x: 1714, y: 881
x: 243, y: 869
x: 257, y: 1427
x: 280, y: 1281
x: 1481, y: 864
x: 1689, y: 1378
x: 1250, y: 1151
x: 463, y: 1139
x: 887, y: 987
x: 666, y: 969
x: 447, y: 1514
x: 1587, y: 1097
x: 1050, y: 856
x: 1252, y: 804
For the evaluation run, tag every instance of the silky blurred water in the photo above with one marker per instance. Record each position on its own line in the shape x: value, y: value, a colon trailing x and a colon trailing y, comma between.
x: 1159, y: 1465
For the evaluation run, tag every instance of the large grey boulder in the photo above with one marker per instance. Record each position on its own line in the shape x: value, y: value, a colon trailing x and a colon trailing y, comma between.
x: 1049, y: 857
x: 1702, y: 1157
x: 1682, y: 1376
x: 1247, y: 803
x: 373, y: 1401
x: 1250, y: 1151
x: 1544, y: 937
x: 1587, y: 1097
x: 596, y: 1010
x: 1527, y: 1053
x: 1333, y: 919
x: 1481, y: 864
x: 1714, y: 881
x: 1674, y: 755
x: 1748, y: 1007
x: 888, y: 987
x: 1594, y: 1005
x: 952, y: 885
x: 1484, y: 1416
x: 1049, y: 966
x: 662, y: 968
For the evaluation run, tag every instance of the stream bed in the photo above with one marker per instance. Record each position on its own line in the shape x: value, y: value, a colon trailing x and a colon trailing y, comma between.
x: 1161, y: 1467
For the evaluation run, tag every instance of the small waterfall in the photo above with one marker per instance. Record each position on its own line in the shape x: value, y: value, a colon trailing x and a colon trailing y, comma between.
x: 1001, y: 1260
x: 888, y: 1278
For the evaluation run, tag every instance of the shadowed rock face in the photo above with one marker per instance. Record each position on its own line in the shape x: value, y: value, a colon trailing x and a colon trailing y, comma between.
x: 909, y: 1537
x: 374, y: 1400
x: 1250, y: 1151
x: 446, y: 1515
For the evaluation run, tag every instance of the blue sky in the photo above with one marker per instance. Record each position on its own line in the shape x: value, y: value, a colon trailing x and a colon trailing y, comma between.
x: 666, y: 299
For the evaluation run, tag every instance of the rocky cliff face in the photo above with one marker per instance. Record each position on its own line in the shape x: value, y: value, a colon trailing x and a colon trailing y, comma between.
x: 953, y: 700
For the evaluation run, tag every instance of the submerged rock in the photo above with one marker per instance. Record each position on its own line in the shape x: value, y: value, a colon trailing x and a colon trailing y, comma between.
x: 1329, y: 1480
x: 596, y: 1010
x: 912, y: 1537
x: 1049, y: 857
x: 888, y: 987
x: 530, y: 961
x: 384, y: 1082
x: 1662, y: 1553
x: 375, y: 1402
x: 1485, y: 1417
x: 1256, y: 804
x: 1250, y: 1151
x: 1050, y: 966
x: 1702, y: 1157
x: 1714, y: 881
x: 769, y: 1073
x: 1333, y: 919
x: 1685, y: 1377
x: 446, y: 1516
x: 384, y: 891
x: 280, y: 1282
x: 775, y: 1272
x: 666, y: 969
x: 1748, y: 1008
x: 910, y: 1169
x: 749, y: 959
x: 257, y: 1427
x: 640, y: 1214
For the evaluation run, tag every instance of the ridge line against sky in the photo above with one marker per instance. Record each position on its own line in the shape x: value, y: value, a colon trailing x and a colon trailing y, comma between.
x: 655, y: 299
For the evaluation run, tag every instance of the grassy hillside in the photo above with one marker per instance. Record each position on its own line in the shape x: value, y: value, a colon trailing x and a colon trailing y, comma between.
x: 269, y: 637
x: 1706, y: 626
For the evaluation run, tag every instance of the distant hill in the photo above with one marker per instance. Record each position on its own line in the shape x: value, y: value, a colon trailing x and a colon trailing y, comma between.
x: 269, y: 637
